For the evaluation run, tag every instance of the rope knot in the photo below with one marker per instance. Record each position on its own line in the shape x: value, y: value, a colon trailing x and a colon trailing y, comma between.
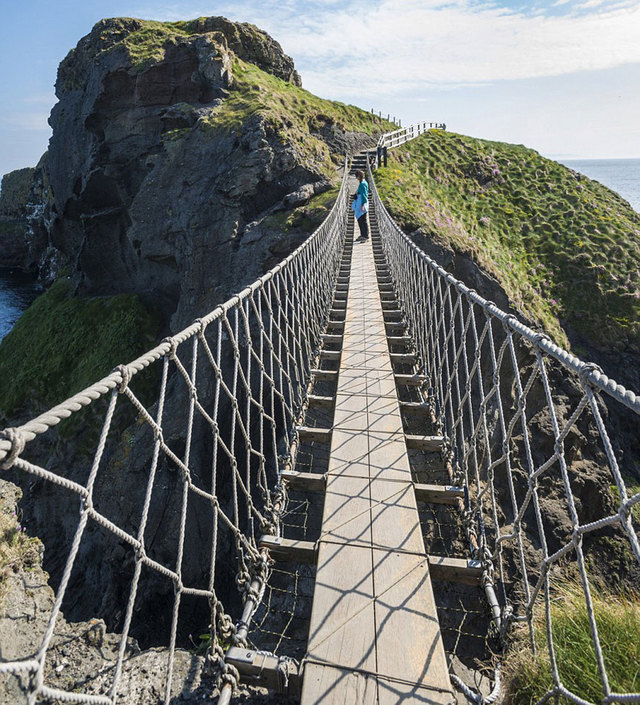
x: 201, y: 326
x: 125, y: 377
x: 173, y: 346
x: 588, y: 368
x: 18, y: 442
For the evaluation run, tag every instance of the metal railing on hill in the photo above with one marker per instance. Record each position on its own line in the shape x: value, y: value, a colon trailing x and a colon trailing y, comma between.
x: 234, y: 380
x: 535, y: 436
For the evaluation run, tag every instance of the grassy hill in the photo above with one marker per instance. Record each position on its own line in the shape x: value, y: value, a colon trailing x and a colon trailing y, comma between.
x: 565, y: 249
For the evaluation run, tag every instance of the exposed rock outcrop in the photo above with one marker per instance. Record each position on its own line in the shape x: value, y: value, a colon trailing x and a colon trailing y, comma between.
x: 25, y: 203
x: 153, y: 185
x: 176, y: 150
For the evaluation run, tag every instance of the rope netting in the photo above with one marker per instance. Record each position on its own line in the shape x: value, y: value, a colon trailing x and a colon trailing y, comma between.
x: 215, y: 435
x: 543, y: 445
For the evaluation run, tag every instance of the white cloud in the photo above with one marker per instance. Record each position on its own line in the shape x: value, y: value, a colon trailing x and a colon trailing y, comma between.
x: 383, y: 47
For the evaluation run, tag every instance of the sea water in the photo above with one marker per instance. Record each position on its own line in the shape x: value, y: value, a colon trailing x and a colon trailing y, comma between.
x: 17, y: 292
x: 620, y: 175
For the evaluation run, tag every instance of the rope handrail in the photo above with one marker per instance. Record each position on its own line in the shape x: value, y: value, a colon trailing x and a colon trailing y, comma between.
x: 519, y: 414
x: 231, y: 388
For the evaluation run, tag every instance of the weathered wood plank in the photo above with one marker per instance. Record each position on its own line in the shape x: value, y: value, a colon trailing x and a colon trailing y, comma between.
x: 316, y: 400
x: 428, y: 443
x: 405, y: 606
x: 314, y: 435
x: 328, y: 685
x: 456, y: 570
x: 438, y: 494
x: 342, y: 628
x: 289, y: 550
x: 309, y: 481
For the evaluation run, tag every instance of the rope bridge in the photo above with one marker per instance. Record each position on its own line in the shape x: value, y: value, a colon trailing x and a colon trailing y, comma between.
x: 518, y: 415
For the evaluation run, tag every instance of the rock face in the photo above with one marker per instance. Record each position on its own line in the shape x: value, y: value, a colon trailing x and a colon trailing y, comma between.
x: 150, y: 196
x: 24, y: 213
x: 15, y: 250
x: 172, y: 157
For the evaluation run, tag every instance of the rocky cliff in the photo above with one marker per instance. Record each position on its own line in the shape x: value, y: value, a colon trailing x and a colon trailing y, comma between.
x: 169, y: 140
x: 186, y: 160
x: 23, y: 202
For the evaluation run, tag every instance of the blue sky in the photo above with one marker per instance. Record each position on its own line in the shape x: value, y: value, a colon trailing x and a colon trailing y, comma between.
x: 561, y: 76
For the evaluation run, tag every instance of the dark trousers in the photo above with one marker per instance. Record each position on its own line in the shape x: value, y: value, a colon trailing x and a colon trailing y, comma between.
x: 363, y: 224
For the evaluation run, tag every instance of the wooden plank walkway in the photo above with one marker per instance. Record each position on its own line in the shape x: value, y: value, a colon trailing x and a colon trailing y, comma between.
x: 374, y: 636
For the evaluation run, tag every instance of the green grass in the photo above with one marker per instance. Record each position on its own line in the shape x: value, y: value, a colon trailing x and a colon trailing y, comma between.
x: 62, y: 344
x: 528, y: 676
x: 17, y: 549
x: 564, y: 248
x: 291, y: 113
x: 633, y: 487
x: 304, y: 218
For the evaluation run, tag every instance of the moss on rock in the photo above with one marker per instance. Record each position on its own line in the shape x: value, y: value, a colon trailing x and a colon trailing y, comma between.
x: 62, y: 344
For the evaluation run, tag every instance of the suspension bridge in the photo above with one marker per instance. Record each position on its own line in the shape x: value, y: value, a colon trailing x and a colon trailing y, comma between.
x: 371, y: 445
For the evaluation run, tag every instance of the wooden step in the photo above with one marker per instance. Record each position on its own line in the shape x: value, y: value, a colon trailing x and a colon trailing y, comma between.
x: 330, y: 354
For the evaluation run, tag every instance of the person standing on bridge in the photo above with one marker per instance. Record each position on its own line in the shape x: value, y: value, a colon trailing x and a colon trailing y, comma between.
x: 360, y: 205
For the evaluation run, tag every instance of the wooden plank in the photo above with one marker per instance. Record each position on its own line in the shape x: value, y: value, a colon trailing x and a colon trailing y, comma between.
x: 455, y: 570
x: 404, y: 605
x: 342, y: 628
x: 315, y: 400
x: 335, y: 325
x: 395, y: 524
x: 438, y: 494
x: 325, y: 375
x: 391, y: 692
x: 347, y: 511
x: 400, y: 339
x: 328, y: 685
x: 403, y: 358
x: 411, y: 380
x: 414, y: 407
x: 330, y: 354
x: 289, y: 550
x: 349, y: 453
x: 428, y: 443
x: 314, y: 435
x: 328, y: 338
x: 309, y: 481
